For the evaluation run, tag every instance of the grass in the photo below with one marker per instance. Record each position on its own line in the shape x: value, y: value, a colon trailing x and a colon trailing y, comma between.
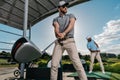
x: 4, y: 63
x: 115, y: 76
x: 9, y: 65
x: 113, y: 60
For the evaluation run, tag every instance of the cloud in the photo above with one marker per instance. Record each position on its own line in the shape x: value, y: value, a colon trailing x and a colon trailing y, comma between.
x: 110, y: 37
x: 112, y: 49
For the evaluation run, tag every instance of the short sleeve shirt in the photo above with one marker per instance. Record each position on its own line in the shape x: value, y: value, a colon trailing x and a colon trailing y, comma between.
x: 91, y: 45
x: 63, y: 22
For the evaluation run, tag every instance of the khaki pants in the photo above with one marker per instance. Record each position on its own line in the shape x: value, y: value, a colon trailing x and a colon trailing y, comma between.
x: 92, y: 58
x: 70, y: 47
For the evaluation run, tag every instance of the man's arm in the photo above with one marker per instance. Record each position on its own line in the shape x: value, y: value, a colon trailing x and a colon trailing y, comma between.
x: 56, y: 30
x: 96, y: 44
x: 70, y: 26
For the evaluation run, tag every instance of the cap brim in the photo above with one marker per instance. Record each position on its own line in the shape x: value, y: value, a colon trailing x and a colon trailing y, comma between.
x: 66, y: 4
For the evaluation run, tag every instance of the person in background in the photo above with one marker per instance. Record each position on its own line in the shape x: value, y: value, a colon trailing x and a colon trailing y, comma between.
x: 64, y: 32
x: 95, y: 53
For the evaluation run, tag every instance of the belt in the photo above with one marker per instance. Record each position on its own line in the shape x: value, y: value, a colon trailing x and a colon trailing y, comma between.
x: 64, y: 38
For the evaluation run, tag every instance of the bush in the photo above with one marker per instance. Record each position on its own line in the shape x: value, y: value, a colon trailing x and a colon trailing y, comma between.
x: 116, y: 67
x: 96, y: 67
x: 118, y: 56
x: 107, y: 67
x: 42, y: 63
x: 113, y: 67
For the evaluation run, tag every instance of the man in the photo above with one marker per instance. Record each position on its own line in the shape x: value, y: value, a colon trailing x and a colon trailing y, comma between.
x: 64, y: 32
x: 95, y: 53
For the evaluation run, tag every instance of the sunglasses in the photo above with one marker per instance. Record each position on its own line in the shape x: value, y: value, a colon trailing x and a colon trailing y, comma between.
x: 64, y: 6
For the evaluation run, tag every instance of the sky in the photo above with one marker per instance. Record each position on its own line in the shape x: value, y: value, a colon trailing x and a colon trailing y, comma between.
x: 99, y: 19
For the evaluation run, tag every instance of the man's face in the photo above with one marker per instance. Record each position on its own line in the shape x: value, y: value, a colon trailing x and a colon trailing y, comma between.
x: 89, y: 39
x: 63, y: 9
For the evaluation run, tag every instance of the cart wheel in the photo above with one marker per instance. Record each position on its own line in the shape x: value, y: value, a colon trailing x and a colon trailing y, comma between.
x: 17, y: 73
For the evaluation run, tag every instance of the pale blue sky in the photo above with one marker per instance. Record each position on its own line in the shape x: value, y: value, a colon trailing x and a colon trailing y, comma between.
x: 97, y: 18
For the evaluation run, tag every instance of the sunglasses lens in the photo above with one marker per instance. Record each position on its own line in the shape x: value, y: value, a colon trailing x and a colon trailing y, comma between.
x: 64, y: 6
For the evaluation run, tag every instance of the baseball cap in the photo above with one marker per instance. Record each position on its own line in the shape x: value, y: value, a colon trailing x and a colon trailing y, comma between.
x: 63, y: 3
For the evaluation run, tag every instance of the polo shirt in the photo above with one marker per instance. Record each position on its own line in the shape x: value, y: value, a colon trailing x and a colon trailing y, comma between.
x: 91, y: 45
x: 63, y: 22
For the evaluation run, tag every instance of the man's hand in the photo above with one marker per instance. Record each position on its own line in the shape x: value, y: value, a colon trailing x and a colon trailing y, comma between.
x: 60, y: 35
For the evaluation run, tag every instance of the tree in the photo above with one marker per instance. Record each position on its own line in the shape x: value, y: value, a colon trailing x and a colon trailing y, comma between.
x: 118, y: 56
